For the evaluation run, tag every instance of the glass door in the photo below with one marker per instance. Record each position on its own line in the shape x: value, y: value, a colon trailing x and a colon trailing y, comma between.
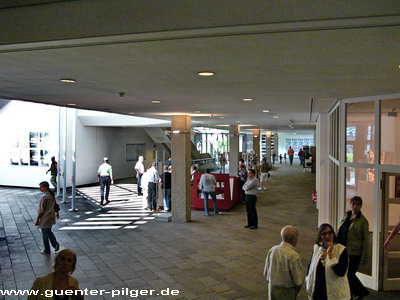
x: 390, y: 267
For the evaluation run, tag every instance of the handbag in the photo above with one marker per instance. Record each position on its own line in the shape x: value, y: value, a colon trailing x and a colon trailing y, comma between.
x: 56, y: 206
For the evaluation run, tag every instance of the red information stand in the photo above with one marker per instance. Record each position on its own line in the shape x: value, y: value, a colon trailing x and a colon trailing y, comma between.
x: 227, y: 191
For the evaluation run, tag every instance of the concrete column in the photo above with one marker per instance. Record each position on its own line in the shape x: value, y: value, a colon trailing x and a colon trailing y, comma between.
x: 181, y: 156
x: 233, y: 149
x: 268, y: 151
x: 256, y: 142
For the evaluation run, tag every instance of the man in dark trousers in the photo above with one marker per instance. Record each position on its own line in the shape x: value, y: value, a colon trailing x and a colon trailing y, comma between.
x: 250, y: 188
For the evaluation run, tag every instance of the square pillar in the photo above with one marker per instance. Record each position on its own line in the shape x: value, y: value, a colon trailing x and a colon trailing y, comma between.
x: 256, y: 143
x: 233, y: 149
x: 181, y: 152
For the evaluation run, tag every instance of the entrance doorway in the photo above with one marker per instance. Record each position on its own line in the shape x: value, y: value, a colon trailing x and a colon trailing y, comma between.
x: 391, y: 209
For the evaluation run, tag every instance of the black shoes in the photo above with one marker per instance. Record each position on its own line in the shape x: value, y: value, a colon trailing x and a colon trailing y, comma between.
x: 250, y: 227
x: 56, y: 248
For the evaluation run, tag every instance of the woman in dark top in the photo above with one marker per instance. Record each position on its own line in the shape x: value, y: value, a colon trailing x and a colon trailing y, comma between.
x: 354, y: 234
x: 326, y: 274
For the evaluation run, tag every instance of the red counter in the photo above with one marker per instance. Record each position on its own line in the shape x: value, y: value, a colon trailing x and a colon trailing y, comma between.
x: 227, y: 191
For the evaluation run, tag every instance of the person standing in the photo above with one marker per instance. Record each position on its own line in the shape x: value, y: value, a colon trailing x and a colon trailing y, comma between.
x: 166, y: 187
x: 242, y: 180
x: 354, y: 234
x: 280, y: 158
x: 301, y: 157
x: 139, y: 167
x: 264, y: 168
x: 326, y: 277
x: 104, y: 173
x: 207, y: 186
x: 250, y: 188
x: 291, y: 155
x: 46, y: 217
x: 168, y: 163
x: 53, y: 172
x: 222, y: 162
x: 273, y: 158
x: 283, y: 267
x: 153, y: 179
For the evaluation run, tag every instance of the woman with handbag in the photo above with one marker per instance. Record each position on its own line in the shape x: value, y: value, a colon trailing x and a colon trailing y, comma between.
x: 46, y: 217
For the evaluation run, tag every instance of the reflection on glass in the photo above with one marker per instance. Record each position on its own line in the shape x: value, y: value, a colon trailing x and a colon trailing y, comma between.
x: 360, y: 132
x: 359, y: 183
x: 390, y: 130
x: 34, y: 158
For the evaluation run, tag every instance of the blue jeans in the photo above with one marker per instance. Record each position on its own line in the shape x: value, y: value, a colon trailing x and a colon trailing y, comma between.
x: 214, y: 198
x: 167, y: 199
x: 105, y: 182
x: 48, y: 235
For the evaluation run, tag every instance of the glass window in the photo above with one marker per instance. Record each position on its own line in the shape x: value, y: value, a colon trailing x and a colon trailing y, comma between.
x: 390, y: 130
x: 360, y: 182
x: 360, y: 132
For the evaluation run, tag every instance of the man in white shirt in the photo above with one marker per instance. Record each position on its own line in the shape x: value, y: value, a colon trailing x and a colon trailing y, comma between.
x: 153, y: 179
x: 250, y: 190
x: 104, y: 173
x: 139, y: 168
x: 207, y: 186
x: 283, y: 267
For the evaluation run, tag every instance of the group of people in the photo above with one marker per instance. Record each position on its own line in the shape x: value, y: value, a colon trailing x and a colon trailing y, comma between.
x: 333, y: 265
x: 147, y: 184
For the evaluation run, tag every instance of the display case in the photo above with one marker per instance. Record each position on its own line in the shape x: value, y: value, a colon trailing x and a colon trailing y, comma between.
x: 227, y: 191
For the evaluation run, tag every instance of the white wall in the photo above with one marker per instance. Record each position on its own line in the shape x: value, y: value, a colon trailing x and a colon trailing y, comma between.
x: 17, y: 119
x: 282, y: 140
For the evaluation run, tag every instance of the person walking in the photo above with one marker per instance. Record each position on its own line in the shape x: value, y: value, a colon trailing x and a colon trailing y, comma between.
x: 60, y: 282
x: 53, y: 172
x: 139, y: 168
x: 291, y: 155
x: 283, y: 267
x: 207, y: 186
x: 354, y: 234
x: 250, y: 188
x: 46, y: 217
x: 104, y: 173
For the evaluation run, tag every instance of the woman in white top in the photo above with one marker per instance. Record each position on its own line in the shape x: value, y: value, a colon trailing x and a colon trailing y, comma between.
x: 326, y: 279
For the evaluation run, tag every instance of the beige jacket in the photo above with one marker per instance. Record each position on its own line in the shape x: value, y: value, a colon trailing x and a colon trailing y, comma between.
x: 44, y: 286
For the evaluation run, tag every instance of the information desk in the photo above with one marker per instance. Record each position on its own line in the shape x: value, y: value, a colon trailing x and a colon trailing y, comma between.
x: 227, y: 191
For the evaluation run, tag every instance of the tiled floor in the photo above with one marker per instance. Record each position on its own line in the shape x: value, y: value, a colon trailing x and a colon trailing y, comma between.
x: 122, y: 247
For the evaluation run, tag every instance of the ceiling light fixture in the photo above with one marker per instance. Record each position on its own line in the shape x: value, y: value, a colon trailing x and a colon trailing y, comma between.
x: 247, y: 99
x: 68, y: 80
x: 237, y: 121
x: 72, y: 104
x: 222, y: 117
x: 156, y: 101
x: 206, y: 73
x: 132, y: 113
x: 276, y: 117
x: 265, y: 110
x: 197, y: 111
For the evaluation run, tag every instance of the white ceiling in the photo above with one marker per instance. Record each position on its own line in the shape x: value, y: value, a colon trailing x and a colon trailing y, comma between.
x: 282, y: 66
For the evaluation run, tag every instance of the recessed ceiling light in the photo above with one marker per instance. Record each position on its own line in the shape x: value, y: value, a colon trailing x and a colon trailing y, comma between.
x: 68, y: 80
x: 131, y: 113
x: 197, y: 111
x: 247, y: 99
x: 265, y: 110
x: 206, y: 73
x: 276, y: 117
x: 156, y: 101
x: 237, y: 121
x: 222, y: 117
x: 72, y: 104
